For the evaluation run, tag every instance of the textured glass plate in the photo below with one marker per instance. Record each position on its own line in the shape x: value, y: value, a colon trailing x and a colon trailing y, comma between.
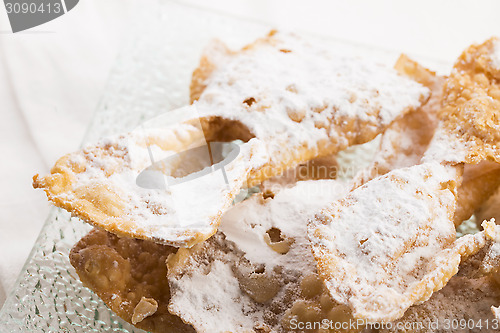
x: 150, y: 77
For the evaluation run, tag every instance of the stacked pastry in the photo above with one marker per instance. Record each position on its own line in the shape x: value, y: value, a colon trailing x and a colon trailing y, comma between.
x: 176, y: 250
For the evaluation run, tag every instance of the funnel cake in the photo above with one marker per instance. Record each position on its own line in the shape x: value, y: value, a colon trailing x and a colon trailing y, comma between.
x: 257, y: 273
x: 287, y: 99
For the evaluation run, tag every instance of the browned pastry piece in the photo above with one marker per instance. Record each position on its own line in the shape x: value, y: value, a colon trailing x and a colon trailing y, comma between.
x: 486, y: 261
x: 489, y: 209
x: 130, y: 276
x: 470, y: 123
x: 463, y: 306
x: 479, y: 183
x: 257, y: 273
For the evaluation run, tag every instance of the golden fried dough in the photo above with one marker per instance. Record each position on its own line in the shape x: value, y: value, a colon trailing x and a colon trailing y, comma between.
x: 130, y: 276
x: 257, y: 274
x: 486, y: 261
x: 213, y: 56
x: 390, y: 243
x: 289, y: 100
x: 479, y: 183
x: 405, y: 141
x: 465, y: 303
x: 469, y: 129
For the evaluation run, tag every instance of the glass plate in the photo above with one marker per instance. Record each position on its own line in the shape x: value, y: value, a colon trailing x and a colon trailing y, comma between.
x: 150, y: 77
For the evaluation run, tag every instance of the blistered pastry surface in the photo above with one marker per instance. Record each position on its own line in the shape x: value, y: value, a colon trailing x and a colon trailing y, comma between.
x: 130, y: 276
x: 470, y: 117
x: 386, y: 245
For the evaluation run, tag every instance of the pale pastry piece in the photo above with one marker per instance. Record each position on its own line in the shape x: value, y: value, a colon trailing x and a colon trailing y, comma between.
x: 257, y: 273
x: 465, y: 304
x: 390, y: 243
x: 102, y: 185
x: 130, y: 276
x: 289, y: 100
x: 405, y: 141
x: 469, y: 129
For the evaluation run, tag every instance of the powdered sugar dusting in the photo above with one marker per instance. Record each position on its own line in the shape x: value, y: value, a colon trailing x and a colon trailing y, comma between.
x: 247, y: 223
x: 295, y: 97
x: 221, y: 309
x: 445, y: 146
x: 299, y: 89
x: 159, y: 211
x: 243, y: 232
x: 375, y: 246
x: 472, y: 299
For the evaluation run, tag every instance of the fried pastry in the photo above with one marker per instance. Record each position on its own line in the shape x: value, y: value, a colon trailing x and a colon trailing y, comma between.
x: 130, y: 276
x: 490, y: 208
x: 287, y: 99
x: 391, y: 242
x: 469, y: 122
x: 404, y: 143
x: 479, y: 183
x: 465, y: 303
x: 470, y: 118
x: 486, y: 261
x: 257, y: 273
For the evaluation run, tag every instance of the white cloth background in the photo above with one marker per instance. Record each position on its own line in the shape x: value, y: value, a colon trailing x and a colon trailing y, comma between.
x: 52, y: 76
